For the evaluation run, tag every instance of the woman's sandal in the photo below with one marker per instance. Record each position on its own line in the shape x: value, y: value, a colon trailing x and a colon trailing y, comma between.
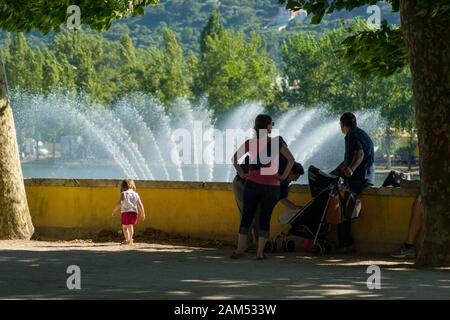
x: 261, y: 258
x: 236, y: 255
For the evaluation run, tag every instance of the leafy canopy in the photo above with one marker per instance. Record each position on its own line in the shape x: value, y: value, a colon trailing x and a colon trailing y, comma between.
x: 378, y: 52
x: 318, y: 8
x: 49, y: 15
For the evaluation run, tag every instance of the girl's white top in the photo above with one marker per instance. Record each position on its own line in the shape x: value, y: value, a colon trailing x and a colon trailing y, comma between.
x: 129, y: 201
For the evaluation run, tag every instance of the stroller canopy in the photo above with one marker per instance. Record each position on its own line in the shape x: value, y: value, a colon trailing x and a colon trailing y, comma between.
x: 319, y: 180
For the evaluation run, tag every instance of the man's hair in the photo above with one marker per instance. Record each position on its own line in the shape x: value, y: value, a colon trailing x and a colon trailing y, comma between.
x: 348, y: 119
x: 297, y: 168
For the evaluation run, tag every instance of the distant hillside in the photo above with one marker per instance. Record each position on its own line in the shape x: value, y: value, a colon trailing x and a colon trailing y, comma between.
x: 187, y: 18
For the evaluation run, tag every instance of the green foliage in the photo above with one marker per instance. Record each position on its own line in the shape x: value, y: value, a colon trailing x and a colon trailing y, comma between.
x: 318, y: 8
x: 52, y: 71
x: 49, y: 15
x: 397, y: 102
x: 378, y: 52
x: 20, y: 60
x: 213, y: 28
x: 173, y: 82
x: 187, y: 19
x: 315, y: 74
x: 434, y: 8
x: 192, y: 72
x: 231, y: 68
x: 375, y: 51
x: 234, y: 70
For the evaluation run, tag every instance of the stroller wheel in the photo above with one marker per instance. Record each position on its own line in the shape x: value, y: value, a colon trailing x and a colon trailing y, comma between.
x: 288, y: 245
x: 271, y: 246
x: 317, y: 250
x: 274, y: 246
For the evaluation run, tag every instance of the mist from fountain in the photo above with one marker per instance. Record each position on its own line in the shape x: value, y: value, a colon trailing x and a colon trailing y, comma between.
x: 292, y: 129
x: 148, y: 146
x: 242, y: 117
x: 135, y: 136
x: 155, y: 116
x: 66, y: 113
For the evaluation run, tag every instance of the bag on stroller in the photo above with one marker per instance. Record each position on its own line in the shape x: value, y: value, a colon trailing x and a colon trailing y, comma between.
x: 395, y: 178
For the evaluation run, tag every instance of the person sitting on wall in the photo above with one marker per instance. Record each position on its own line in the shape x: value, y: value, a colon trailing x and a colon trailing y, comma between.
x: 408, y: 249
x: 358, y: 168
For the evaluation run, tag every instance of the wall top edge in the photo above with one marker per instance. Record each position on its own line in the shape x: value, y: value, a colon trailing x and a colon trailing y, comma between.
x: 225, y: 186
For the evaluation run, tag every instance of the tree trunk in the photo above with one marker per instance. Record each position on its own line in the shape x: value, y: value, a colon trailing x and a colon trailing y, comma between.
x: 15, y: 219
x: 428, y: 42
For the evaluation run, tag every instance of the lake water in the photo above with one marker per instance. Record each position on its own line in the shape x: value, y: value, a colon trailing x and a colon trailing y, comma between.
x: 110, y: 171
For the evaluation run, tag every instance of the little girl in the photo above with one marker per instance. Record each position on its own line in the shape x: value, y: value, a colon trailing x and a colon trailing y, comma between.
x: 130, y: 205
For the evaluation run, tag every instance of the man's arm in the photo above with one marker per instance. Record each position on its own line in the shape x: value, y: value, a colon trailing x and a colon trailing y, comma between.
x: 358, y: 157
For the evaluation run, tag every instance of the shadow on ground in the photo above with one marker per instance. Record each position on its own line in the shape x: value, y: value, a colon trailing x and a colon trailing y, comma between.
x: 154, y: 271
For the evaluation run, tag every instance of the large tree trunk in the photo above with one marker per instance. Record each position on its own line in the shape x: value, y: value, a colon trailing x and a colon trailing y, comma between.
x: 428, y: 42
x: 15, y: 219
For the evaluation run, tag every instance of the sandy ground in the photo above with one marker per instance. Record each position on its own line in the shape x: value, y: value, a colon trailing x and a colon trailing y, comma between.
x: 37, y: 270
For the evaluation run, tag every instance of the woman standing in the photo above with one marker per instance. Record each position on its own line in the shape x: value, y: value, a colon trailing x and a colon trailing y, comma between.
x: 262, y: 182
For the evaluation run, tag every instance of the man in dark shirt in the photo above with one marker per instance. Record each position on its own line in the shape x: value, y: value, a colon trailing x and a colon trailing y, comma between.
x: 358, y: 167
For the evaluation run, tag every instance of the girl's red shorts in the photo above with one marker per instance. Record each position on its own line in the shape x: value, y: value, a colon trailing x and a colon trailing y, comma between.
x: 129, y: 218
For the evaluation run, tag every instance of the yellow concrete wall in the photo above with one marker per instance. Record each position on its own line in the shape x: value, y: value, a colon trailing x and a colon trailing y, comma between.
x: 199, y: 209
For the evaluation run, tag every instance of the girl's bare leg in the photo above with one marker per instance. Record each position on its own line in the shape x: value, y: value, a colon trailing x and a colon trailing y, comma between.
x: 131, y: 233
x: 125, y: 232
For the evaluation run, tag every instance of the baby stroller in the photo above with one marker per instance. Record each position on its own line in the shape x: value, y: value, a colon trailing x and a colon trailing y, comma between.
x: 332, y: 203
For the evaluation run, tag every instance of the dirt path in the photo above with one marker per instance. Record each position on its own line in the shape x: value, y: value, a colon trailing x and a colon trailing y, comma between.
x: 37, y: 270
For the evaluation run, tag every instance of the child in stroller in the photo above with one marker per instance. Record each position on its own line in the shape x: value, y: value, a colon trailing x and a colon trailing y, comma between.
x: 332, y: 203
